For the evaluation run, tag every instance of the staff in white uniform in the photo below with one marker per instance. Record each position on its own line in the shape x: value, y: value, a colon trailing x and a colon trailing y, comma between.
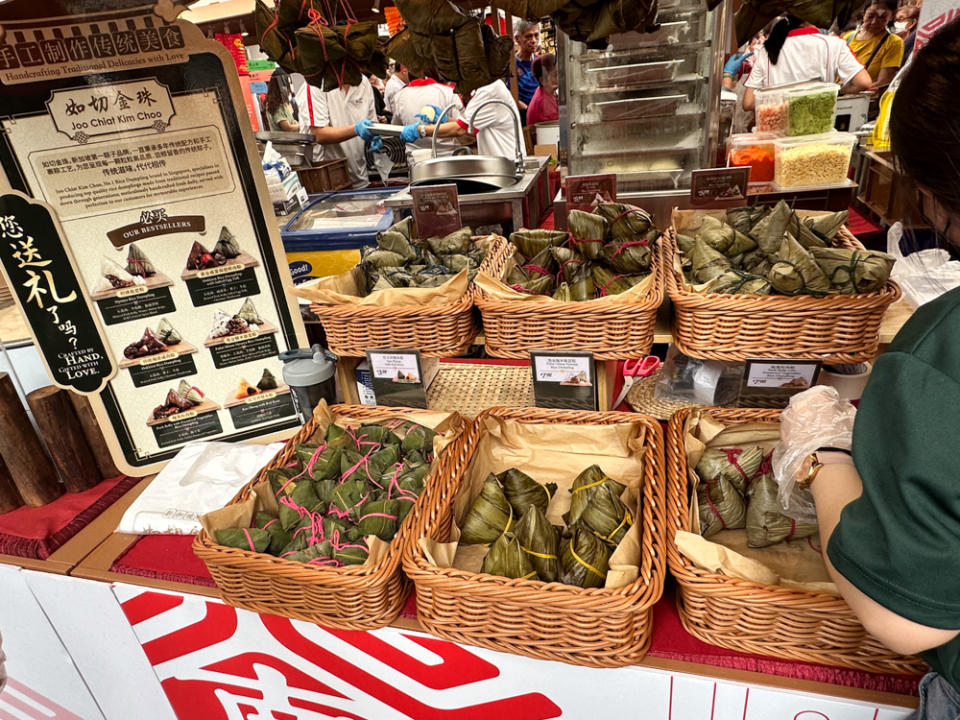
x: 339, y: 121
x: 409, y: 105
x: 495, y: 124
x: 398, y: 81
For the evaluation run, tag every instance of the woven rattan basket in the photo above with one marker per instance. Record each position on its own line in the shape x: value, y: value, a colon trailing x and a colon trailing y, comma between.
x: 352, y: 597
x: 835, y: 328
x: 763, y: 619
x: 551, y: 621
x: 441, y: 330
x: 611, y: 331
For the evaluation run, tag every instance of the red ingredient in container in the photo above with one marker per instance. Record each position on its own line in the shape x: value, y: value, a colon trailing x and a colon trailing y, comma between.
x: 773, y: 118
x: 760, y: 158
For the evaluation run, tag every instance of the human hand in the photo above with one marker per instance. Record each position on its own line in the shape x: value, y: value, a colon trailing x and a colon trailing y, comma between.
x: 732, y: 66
x: 362, y: 129
x: 411, y: 133
x: 376, y: 144
x: 430, y: 114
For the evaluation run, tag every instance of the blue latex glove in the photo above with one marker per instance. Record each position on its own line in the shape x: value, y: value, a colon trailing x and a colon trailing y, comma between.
x: 410, y: 133
x: 362, y: 129
x: 376, y: 144
x: 732, y: 66
x: 429, y: 114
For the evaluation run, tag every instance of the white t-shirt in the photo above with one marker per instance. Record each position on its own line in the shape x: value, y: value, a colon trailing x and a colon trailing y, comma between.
x: 805, y: 57
x: 339, y: 108
x: 393, y: 86
x: 410, y: 101
x: 494, y: 124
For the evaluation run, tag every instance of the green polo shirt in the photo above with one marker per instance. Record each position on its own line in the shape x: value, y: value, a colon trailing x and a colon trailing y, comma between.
x: 899, y: 543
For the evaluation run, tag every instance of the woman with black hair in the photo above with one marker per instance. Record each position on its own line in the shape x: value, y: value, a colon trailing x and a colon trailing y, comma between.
x: 796, y: 51
x: 277, y: 104
x: 889, y: 514
x: 880, y: 50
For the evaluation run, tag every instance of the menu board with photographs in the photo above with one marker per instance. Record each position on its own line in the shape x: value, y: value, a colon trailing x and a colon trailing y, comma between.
x: 150, y: 169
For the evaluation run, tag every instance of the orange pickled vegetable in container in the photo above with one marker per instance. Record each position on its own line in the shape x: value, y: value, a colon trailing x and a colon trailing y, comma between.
x: 755, y: 150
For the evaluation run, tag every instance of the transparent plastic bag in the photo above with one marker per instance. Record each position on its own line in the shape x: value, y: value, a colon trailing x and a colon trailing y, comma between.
x: 814, y: 419
x: 704, y: 382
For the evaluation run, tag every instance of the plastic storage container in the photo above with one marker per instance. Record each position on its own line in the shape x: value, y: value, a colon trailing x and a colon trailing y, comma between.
x: 754, y: 150
x: 325, y: 237
x: 772, y: 112
x: 633, y: 74
x: 813, y: 160
x: 811, y: 108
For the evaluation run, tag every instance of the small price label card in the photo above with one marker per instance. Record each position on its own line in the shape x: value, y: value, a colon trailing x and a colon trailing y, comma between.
x: 564, y: 380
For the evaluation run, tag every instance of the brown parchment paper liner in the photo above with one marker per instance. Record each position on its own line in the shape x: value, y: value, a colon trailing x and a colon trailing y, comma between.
x: 688, y: 222
x: 552, y: 453
x: 345, y: 288
x: 795, y: 563
x: 240, y: 515
x: 496, y: 289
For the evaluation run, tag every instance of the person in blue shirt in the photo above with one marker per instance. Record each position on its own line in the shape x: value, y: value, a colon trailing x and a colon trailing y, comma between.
x: 526, y: 34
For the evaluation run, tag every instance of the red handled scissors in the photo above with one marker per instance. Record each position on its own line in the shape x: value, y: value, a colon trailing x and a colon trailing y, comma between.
x: 632, y: 371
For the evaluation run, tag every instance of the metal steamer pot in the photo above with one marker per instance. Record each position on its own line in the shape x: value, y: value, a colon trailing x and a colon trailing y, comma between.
x: 471, y: 173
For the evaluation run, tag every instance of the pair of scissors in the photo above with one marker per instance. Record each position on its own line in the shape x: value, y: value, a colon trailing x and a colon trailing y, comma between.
x: 632, y: 371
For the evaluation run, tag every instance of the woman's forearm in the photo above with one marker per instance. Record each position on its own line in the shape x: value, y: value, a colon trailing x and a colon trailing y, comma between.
x: 834, y: 488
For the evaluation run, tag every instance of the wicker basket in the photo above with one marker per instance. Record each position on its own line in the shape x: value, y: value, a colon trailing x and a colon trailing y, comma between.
x: 352, y: 597
x: 611, y: 332
x: 764, y: 619
x: 596, y: 627
x: 441, y: 330
x: 835, y: 328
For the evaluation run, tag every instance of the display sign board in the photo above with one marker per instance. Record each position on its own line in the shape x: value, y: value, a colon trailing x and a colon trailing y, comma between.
x: 566, y: 380
x: 401, y: 377
x: 719, y: 187
x: 37, y: 265
x: 585, y: 192
x: 771, y: 383
x: 131, y: 131
x: 436, y: 210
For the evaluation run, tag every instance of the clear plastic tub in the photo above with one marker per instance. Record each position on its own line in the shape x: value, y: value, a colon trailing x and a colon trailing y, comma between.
x: 811, y: 108
x: 813, y: 160
x: 756, y: 151
x: 772, y: 111
x: 669, y: 33
x: 633, y: 108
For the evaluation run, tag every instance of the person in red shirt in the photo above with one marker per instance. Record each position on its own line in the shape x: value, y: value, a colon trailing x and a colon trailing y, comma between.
x: 544, y: 106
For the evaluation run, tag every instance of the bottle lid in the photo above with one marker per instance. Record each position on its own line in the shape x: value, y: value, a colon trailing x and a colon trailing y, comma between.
x: 308, y: 366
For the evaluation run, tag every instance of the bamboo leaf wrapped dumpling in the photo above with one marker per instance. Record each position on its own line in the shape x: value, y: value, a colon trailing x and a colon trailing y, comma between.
x: 631, y: 256
x: 584, y: 559
x: 723, y: 238
x: 721, y: 506
x: 739, y: 466
x: 609, y: 283
x: 583, y: 487
x: 507, y: 559
x: 538, y: 539
x: 738, y: 282
x: 397, y: 243
x: 827, y: 225
x: 521, y: 491
x: 489, y: 517
x: 743, y: 219
x: 766, y: 524
x: 457, y: 242
x: 853, y: 271
x: 606, y: 515
x: 531, y: 242
x: 380, y: 518
x: 588, y: 232
x: 804, y: 234
x: 381, y: 259
x: 770, y: 230
x: 706, y: 262
x: 251, y: 539
x: 795, y: 271
x: 418, y: 437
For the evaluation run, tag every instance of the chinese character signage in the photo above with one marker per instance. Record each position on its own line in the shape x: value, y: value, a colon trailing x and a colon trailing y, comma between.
x: 39, y: 271
x: 130, y: 131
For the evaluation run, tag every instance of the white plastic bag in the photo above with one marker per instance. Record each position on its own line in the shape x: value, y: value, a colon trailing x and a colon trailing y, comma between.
x: 202, y: 477
x: 924, y: 275
x: 814, y: 419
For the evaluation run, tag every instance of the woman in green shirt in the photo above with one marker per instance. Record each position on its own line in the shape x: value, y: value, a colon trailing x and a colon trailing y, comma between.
x: 889, y: 515
x: 277, y: 105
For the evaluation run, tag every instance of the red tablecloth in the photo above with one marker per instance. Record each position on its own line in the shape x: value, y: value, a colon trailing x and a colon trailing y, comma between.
x: 37, y: 532
x: 169, y: 557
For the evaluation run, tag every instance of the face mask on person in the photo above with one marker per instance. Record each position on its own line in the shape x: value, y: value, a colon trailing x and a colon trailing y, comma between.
x: 900, y: 26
